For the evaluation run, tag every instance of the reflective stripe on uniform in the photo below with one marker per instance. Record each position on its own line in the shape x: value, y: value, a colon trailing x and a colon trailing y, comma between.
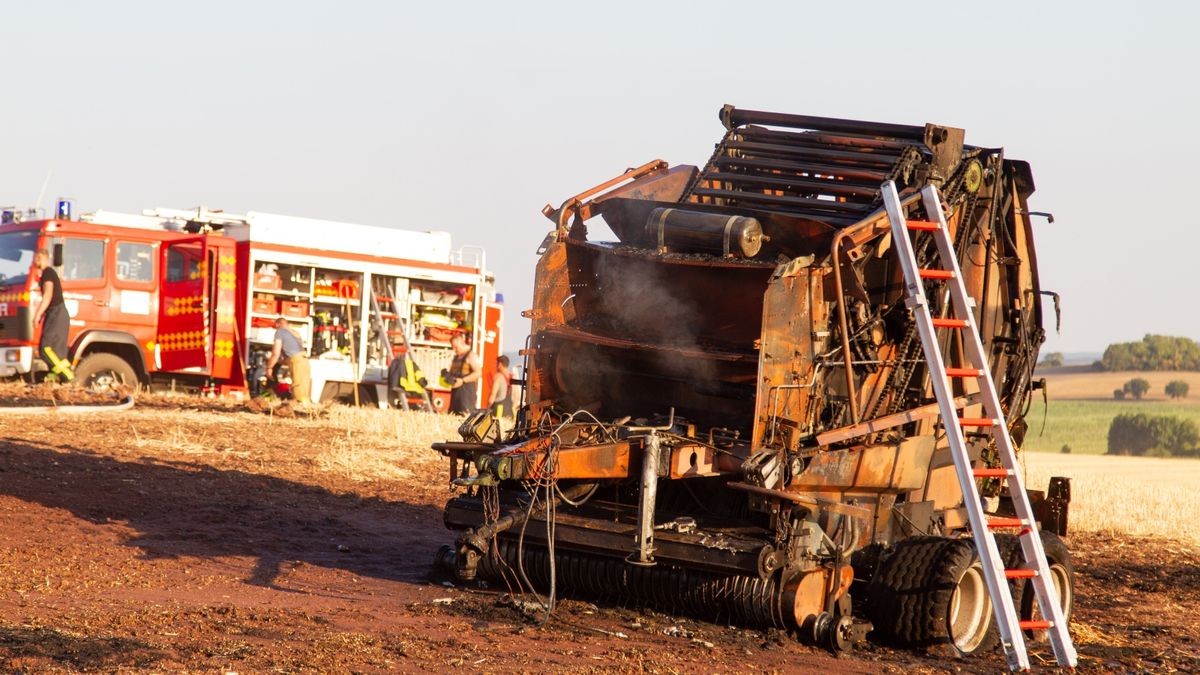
x: 60, y: 367
x: 411, y: 381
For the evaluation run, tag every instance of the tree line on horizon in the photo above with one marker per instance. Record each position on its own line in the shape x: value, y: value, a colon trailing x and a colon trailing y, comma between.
x: 1138, y: 387
x: 1153, y: 352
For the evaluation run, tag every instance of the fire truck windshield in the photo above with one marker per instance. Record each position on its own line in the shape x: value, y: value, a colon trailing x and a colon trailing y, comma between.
x: 16, y: 256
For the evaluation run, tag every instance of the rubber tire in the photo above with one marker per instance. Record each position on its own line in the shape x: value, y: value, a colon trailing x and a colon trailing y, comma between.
x: 1057, y: 556
x: 99, y: 362
x: 909, y: 598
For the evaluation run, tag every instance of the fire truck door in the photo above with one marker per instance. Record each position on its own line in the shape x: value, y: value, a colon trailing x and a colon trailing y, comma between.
x: 183, y: 311
x: 492, y: 314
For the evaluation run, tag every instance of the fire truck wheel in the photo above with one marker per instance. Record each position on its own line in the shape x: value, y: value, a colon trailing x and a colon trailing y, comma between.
x: 104, y: 372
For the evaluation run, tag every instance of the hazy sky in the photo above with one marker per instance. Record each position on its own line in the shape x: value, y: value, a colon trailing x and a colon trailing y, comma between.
x: 469, y: 118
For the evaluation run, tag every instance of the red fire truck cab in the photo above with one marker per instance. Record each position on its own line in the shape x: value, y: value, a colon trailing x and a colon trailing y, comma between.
x: 188, y: 298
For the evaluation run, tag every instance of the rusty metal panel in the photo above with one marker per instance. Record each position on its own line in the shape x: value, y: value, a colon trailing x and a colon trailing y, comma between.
x: 899, y: 467
x: 791, y: 318
x: 692, y: 461
x: 942, y: 486
x: 529, y: 461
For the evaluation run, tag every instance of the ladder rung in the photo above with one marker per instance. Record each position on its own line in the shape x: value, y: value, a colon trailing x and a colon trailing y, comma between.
x: 991, y: 473
x: 923, y: 225
x: 1020, y: 574
x: 998, y: 523
x: 977, y: 421
x: 1034, y: 625
x: 949, y: 323
x: 963, y: 372
x: 936, y: 274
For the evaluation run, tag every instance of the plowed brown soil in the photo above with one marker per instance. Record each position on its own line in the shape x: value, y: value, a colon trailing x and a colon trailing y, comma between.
x: 188, y: 535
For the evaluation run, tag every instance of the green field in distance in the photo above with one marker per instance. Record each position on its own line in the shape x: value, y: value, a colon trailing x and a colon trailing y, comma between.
x: 1084, y: 424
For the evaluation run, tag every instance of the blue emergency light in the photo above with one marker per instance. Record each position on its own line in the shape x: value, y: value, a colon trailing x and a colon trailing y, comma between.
x: 8, y: 216
x: 65, y: 208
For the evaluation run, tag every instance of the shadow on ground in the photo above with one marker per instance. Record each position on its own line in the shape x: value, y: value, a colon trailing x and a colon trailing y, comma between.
x: 184, y: 509
x: 31, y: 648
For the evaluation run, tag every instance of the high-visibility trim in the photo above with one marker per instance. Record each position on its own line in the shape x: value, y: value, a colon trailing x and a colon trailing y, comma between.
x: 60, y: 367
x: 923, y: 225
x: 1035, y: 625
x: 990, y: 473
x: 977, y: 422
x: 1020, y: 574
x: 949, y: 323
x: 963, y: 372
x: 1003, y: 523
x: 936, y: 274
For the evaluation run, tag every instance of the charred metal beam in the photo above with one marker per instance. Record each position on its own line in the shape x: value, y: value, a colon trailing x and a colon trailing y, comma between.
x: 856, y: 158
x: 841, y: 171
x: 733, y: 117
x: 608, y: 533
x: 805, y: 141
x: 800, y: 202
x: 813, y: 138
x: 799, y: 184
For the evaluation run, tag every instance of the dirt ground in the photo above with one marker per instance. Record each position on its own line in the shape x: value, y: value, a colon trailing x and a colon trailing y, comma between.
x: 209, y: 538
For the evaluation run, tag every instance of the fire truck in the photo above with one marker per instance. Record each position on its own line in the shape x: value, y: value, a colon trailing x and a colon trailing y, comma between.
x: 188, y: 298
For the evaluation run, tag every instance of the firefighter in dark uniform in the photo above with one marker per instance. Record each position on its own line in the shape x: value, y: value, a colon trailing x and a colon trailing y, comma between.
x: 52, y: 313
x: 463, y: 376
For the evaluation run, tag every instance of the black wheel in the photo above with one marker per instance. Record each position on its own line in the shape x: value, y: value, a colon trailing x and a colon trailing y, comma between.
x: 930, y: 592
x: 1062, y: 573
x: 105, y: 372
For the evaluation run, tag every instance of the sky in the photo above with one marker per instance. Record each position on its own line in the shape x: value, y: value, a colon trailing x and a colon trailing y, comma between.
x: 469, y: 117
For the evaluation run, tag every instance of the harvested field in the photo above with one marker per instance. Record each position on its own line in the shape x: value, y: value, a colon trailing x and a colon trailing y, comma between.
x: 1082, y: 383
x: 1115, y: 495
x: 195, y: 535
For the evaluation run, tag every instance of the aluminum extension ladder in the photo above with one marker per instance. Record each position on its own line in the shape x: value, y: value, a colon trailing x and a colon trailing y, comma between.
x: 1036, y: 569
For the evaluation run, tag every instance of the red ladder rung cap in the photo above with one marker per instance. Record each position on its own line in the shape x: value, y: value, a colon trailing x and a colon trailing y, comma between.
x: 1020, y: 574
x: 977, y: 422
x: 936, y: 274
x: 1034, y: 625
x: 963, y: 372
x: 923, y: 225
x: 996, y: 523
x: 949, y: 323
x: 991, y: 473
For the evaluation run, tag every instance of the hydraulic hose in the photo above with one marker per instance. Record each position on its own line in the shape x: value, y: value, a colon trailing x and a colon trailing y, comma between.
x: 125, y: 404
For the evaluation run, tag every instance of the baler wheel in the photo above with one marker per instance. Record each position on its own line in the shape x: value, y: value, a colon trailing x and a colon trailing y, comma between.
x: 930, y: 592
x: 1062, y: 573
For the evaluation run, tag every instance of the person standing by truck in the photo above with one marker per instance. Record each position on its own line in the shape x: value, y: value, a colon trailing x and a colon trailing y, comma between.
x: 464, y: 373
x: 290, y: 349
x: 55, y: 320
x: 500, y: 400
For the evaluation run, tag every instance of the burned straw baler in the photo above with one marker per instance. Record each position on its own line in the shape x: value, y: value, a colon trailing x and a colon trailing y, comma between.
x: 727, y: 411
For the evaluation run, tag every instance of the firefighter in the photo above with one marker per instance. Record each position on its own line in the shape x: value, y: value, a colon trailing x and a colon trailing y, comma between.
x: 463, y: 374
x: 500, y: 401
x: 289, y: 347
x: 52, y: 312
